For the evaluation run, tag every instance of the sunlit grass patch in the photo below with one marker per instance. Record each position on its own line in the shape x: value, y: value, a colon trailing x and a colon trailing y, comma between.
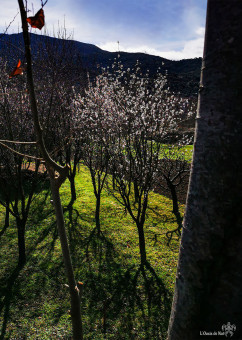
x: 115, y: 301
x: 175, y: 152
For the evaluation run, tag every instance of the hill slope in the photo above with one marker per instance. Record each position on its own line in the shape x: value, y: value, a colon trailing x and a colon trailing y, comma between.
x: 183, y: 75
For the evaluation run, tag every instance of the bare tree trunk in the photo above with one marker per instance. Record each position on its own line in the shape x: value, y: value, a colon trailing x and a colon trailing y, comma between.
x: 97, y: 212
x: 175, y: 209
x: 74, y: 292
x: 71, y: 178
x: 57, y: 176
x: 208, y: 294
x: 142, y: 248
x: 6, y: 223
x: 21, y: 241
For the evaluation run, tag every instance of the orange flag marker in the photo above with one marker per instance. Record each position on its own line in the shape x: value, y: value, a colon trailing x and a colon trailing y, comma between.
x: 38, y: 21
x: 18, y: 70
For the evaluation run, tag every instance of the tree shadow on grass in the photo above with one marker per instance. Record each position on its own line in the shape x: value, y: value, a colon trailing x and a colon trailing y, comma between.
x: 98, y: 242
x: 122, y: 300
x: 71, y: 227
x: 7, y: 294
x: 7, y: 289
x: 36, y: 216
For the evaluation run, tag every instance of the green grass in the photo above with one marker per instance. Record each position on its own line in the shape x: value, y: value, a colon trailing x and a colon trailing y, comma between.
x: 120, y: 301
x: 184, y: 153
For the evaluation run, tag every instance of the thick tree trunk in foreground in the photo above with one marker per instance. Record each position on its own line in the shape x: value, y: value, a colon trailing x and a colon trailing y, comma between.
x: 208, y: 294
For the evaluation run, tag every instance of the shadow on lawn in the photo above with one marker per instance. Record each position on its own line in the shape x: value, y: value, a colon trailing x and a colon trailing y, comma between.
x: 73, y: 216
x: 7, y: 290
x: 7, y: 293
x: 122, y: 300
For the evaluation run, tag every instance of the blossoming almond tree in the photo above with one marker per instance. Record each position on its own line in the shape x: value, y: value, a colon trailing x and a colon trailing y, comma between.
x: 57, y: 69
x: 93, y: 121
x: 16, y: 125
x: 132, y: 118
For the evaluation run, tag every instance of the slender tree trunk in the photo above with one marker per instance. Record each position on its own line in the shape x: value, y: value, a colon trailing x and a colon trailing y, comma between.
x: 175, y: 210
x: 21, y: 241
x: 208, y: 294
x: 142, y: 248
x: 173, y: 196
x: 6, y: 222
x: 97, y: 213
x: 71, y: 178
x: 74, y: 292
x: 7, y: 213
x: 57, y: 175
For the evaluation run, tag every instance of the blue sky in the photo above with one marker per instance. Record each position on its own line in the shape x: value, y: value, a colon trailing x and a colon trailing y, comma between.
x: 173, y: 29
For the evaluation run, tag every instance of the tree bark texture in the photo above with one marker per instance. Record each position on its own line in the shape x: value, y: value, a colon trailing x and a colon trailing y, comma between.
x: 208, y: 290
x: 74, y: 292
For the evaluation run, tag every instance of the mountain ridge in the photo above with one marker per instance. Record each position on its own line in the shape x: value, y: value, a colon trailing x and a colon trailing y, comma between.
x: 183, y: 75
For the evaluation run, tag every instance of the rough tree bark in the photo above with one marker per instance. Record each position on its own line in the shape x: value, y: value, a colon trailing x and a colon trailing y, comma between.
x: 57, y: 176
x: 208, y: 294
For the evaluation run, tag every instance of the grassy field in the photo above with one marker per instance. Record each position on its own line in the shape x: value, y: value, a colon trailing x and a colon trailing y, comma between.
x: 120, y: 299
x: 183, y: 153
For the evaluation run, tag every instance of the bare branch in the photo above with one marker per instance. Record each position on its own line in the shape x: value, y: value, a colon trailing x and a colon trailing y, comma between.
x: 9, y: 25
x: 43, y: 3
x: 15, y: 142
x: 33, y: 103
x: 19, y: 153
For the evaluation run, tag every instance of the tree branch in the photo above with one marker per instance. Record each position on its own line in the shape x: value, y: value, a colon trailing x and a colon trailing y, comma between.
x: 15, y: 142
x: 19, y: 153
